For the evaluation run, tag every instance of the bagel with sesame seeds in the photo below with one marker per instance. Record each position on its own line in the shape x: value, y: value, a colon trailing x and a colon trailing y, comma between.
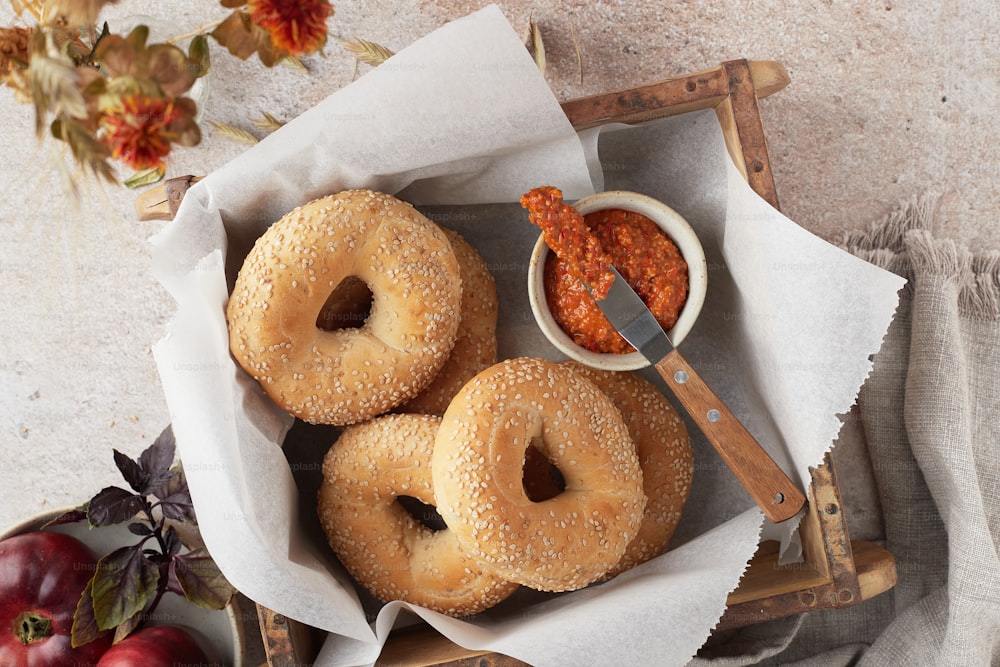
x: 665, y: 456
x: 476, y: 341
x: 367, y: 473
x: 346, y: 375
x: 565, y: 542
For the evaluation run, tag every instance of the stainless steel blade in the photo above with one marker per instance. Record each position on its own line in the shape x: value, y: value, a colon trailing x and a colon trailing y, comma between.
x: 630, y: 316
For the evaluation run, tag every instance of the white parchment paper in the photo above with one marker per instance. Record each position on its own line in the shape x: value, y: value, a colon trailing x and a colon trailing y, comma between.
x: 460, y: 123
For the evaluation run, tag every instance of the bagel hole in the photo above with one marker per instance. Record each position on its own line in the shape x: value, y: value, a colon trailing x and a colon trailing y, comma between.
x: 542, y: 479
x: 425, y: 514
x: 347, y: 307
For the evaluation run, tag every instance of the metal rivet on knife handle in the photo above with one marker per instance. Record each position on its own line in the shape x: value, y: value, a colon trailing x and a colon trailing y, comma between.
x: 775, y: 493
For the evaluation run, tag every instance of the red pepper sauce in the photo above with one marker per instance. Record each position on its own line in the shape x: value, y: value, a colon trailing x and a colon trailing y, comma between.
x: 646, y: 257
x: 568, y: 237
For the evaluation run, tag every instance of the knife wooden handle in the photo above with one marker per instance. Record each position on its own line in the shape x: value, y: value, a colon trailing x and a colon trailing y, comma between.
x: 768, y: 485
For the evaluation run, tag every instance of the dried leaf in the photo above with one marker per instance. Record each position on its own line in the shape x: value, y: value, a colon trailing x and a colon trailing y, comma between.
x: 294, y: 63
x: 104, y: 34
x: 186, y: 131
x: 235, y: 34
x: 77, y: 12
x: 198, y: 54
x: 86, y: 149
x: 170, y: 68
x: 537, y: 45
x: 576, y: 47
x: 18, y: 6
x: 268, y: 122
x: 53, y: 82
x: 242, y: 37
x: 115, y: 55
x: 367, y: 52
x: 145, y: 177
x: 137, y: 39
x: 234, y: 133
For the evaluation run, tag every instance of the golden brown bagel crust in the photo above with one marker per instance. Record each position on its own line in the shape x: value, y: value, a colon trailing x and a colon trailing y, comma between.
x: 476, y: 341
x: 347, y: 375
x: 389, y: 552
x: 665, y: 455
x: 559, y: 544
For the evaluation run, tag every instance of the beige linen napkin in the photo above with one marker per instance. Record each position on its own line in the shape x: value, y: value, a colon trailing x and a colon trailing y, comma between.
x: 931, y: 416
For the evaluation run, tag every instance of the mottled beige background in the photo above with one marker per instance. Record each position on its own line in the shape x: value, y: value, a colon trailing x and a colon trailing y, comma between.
x: 889, y: 101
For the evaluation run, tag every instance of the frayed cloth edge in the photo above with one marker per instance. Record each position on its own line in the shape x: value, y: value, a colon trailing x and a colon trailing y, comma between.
x: 903, y: 244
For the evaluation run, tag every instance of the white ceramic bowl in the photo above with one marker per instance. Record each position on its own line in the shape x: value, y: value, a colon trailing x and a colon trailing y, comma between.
x: 670, y: 222
x: 224, y: 629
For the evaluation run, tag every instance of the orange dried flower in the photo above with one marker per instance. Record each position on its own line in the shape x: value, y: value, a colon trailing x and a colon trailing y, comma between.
x: 14, y: 59
x: 295, y: 27
x: 13, y: 48
x: 139, y: 130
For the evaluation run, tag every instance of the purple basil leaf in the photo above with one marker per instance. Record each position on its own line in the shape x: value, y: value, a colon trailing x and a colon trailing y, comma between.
x: 124, y: 584
x: 156, y: 460
x: 85, y: 628
x: 201, y: 580
x: 140, y: 529
x: 173, y: 585
x: 113, y: 505
x: 169, y: 483
x: 178, y: 507
x: 132, y: 472
x: 128, y: 626
x: 172, y: 540
x: 175, y: 499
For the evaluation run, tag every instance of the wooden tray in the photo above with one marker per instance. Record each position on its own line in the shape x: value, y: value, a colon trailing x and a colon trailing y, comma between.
x: 836, y: 572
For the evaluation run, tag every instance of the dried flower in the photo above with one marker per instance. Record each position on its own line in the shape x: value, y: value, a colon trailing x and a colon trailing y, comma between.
x: 13, y: 49
x: 139, y: 130
x: 57, y: 82
x: 297, y: 28
x: 14, y: 57
x: 158, y: 69
x: 112, y: 96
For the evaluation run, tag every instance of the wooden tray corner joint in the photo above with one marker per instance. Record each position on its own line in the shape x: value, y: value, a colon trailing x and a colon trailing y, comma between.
x: 836, y: 571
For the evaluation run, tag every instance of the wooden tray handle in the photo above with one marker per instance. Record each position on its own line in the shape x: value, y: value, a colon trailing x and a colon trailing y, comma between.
x: 702, y: 90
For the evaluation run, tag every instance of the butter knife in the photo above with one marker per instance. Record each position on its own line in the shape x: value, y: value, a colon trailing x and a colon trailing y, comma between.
x: 769, y: 486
